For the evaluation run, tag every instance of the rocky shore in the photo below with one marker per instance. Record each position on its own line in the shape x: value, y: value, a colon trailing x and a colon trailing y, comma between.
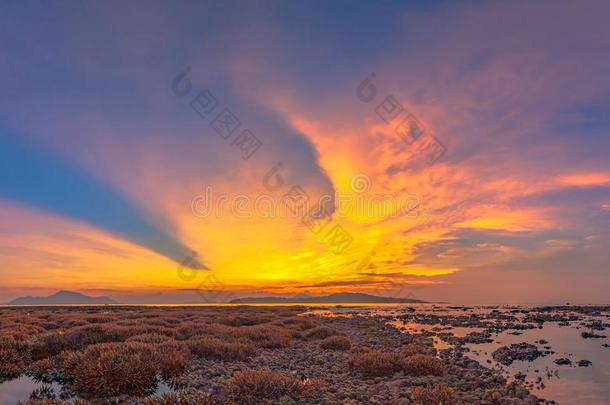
x: 470, y: 382
x: 291, y: 355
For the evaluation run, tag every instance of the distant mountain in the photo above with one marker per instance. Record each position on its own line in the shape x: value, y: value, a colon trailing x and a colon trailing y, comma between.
x: 61, y: 298
x: 338, y: 298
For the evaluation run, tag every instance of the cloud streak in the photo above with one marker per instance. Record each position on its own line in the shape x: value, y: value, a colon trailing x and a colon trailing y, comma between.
x: 34, y: 176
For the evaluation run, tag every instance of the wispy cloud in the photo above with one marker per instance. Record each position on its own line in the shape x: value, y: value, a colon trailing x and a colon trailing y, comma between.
x: 97, y: 144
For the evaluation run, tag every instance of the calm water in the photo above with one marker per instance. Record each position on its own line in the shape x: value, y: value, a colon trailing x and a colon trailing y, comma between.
x: 590, y: 385
x: 565, y: 384
x: 20, y: 388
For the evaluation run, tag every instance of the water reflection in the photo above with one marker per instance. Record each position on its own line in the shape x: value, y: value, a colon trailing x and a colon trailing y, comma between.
x: 561, y: 328
x: 561, y: 383
x: 21, y: 389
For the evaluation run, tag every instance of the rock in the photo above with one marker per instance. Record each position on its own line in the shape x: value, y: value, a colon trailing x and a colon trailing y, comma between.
x: 596, y: 325
x: 584, y: 363
x: 517, y: 351
x: 563, y: 361
x: 589, y: 335
x: 520, y: 376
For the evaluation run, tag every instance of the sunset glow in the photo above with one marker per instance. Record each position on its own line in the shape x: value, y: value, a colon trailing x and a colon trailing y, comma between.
x: 500, y: 195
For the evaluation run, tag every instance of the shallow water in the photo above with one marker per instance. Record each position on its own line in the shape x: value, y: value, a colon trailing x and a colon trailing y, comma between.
x: 414, y: 328
x: 562, y: 383
x: 20, y: 388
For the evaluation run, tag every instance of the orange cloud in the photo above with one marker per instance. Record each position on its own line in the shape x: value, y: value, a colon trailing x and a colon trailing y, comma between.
x: 44, y: 251
x: 585, y: 179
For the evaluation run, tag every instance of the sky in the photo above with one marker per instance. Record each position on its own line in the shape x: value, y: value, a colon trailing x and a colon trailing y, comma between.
x: 204, y: 151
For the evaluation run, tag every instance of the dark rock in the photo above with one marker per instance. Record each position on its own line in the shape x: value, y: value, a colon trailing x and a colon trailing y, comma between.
x: 596, y: 325
x: 563, y: 361
x: 520, y: 376
x: 518, y: 351
x: 589, y: 335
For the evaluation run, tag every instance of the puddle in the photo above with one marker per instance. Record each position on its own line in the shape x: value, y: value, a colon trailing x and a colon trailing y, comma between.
x: 162, y: 388
x: 561, y: 383
x: 20, y: 389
